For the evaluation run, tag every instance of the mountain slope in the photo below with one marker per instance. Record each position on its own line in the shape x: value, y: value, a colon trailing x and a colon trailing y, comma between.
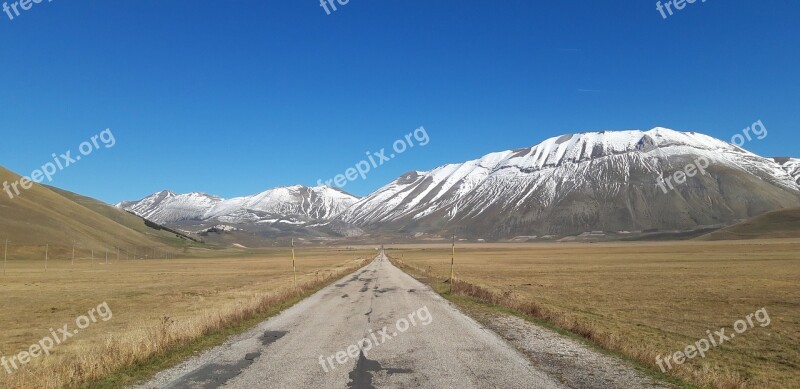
x: 41, y: 216
x: 125, y: 218
x: 783, y: 223
x: 571, y: 184
x: 288, y: 205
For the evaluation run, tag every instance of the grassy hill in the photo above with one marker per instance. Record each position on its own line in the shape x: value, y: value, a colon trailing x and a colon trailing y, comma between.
x: 784, y: 223
x: 128, y: 219
x: 47, y: 216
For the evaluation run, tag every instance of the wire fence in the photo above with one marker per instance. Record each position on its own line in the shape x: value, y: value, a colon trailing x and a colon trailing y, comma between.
x: 53, y: 254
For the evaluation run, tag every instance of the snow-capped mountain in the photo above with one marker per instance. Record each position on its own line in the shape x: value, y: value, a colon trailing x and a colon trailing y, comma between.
x: 791, y: 165
x: 606, y: 181
x: 289, y: 205
x: 167, y: 207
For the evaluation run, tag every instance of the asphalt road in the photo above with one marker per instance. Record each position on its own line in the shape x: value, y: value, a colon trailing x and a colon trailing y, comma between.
x: 320, y: 343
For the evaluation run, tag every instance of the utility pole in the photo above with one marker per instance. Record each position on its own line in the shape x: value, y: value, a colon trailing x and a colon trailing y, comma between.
x: 5, y: 258
x: 73, y: 253
x: 294, y: 266
x: 452, y: 264
x: 46, y: 249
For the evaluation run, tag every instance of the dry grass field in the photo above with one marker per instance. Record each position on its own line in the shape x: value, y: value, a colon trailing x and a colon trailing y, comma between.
x: 157, y: 305
x: 646, y: 299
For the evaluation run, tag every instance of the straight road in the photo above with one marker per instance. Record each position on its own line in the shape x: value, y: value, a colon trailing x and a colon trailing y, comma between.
x: 377, y: 328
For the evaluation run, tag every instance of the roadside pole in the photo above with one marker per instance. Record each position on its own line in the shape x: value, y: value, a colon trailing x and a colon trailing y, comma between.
x: 452, y: 264
x: 294, y: 265
x: 5, y: 258
x: 73, y: 254
x: 46, y: 250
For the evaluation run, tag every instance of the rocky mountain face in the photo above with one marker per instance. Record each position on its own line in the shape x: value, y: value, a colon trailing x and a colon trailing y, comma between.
x: 791, y: 165
x: 659, y: 179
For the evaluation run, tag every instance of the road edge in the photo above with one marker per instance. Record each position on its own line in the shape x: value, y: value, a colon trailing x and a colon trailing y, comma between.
x: 140, y: 373
x: 479, y: 311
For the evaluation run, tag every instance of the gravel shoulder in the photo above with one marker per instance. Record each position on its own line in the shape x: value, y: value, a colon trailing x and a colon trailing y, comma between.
x: 568, y: 360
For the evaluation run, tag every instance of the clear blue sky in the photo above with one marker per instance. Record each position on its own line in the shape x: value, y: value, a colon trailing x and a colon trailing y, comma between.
x: 234, y: 97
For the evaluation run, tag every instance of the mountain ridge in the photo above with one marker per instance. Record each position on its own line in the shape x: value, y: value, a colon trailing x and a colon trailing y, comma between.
x: 294, y: 204
x: 574, y: 180
x: 564, y: 185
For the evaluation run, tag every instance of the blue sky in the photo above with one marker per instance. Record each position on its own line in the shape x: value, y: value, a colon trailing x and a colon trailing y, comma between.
x: 234, y: 97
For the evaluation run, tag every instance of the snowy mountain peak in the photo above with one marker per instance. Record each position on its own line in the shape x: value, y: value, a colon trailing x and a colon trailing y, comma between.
x: 590, y: 171
x: 582, y: 147
x: 574, y: 148
x: 293, y: 202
